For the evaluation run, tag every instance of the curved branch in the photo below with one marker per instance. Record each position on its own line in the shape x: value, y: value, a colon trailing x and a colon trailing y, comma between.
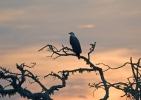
x: 63, y: 79
x: 65, y: 51
x: 91, y: 49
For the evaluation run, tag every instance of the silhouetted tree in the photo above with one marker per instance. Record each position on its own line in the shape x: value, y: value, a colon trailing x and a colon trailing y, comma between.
x: 17, y: 79
x: 132, y: 88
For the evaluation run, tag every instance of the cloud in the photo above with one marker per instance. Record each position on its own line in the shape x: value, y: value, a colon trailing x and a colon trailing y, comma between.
x: 11, y: 14
x: 86, y: 26
x: 82, y: 96
x: 34, y: 22
x: 25, y: 26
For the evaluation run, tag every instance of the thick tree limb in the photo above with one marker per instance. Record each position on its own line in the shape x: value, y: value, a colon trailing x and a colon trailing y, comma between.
x: 64, y: 52
x: 16, y: 80
x: 132, y: 88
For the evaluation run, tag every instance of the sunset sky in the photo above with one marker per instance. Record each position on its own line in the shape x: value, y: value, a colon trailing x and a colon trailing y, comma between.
x: 28, y: 25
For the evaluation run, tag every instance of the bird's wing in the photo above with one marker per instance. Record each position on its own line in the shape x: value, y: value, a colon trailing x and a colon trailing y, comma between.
x: 75, y: 44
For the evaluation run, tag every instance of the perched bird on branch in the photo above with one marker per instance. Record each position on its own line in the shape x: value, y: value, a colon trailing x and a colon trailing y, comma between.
x: 74, y: 42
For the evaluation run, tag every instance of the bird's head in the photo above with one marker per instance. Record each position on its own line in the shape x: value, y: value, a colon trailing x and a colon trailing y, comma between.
x: 72, y: 34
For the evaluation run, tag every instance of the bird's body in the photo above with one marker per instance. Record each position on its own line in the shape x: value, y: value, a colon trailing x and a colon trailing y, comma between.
x: 74, y: 42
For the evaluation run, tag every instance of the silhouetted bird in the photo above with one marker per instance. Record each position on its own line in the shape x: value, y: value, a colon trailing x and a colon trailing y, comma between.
x: 74, y: 42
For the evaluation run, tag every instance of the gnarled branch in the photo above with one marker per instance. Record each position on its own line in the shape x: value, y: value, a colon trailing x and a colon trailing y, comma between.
x: 64, y: 52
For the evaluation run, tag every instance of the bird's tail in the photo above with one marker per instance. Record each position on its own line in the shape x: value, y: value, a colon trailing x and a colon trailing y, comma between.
x: 78, y: 55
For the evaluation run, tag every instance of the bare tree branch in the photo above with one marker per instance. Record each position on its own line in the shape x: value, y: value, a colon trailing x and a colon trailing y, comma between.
x: 16, y: 80
x: 131, y: 88
x: 65, y: 51
x: 127, y: 87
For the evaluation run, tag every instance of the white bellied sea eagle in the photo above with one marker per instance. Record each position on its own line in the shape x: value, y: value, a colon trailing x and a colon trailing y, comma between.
x: 74, y: 42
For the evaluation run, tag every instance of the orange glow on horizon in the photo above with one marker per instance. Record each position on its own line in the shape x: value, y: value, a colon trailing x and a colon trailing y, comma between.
x: 46, y: 64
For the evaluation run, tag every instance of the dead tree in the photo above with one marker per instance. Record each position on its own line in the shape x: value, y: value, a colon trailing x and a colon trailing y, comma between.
x: 17, y: 79
x: 65, y: 51
x: 131, y: 88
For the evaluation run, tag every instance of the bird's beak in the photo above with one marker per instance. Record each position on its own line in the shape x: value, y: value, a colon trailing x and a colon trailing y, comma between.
x: 69, y: 33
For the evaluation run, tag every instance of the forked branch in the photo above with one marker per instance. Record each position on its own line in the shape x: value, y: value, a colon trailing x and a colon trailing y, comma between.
x: 64, y: 51
x: 17, y: 79
x: 131, y: 88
